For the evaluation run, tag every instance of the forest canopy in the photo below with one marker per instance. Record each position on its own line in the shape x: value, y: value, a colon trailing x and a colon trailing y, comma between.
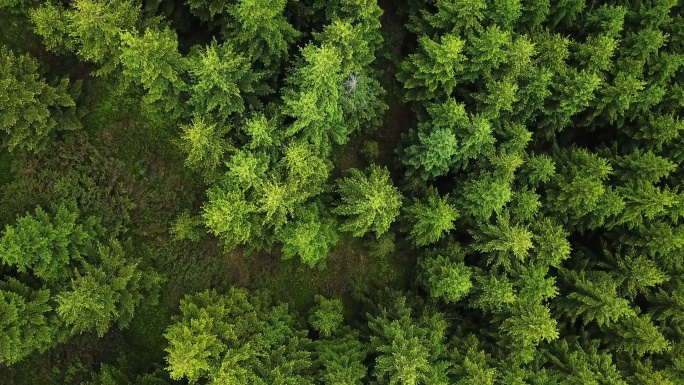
x: 413, y: 192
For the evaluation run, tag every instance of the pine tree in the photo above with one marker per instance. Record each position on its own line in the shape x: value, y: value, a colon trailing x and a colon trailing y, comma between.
x: 667, y: 303
x: 153, y: 61
x: 107, y: 292
x: 46, y: 245
x: 503, y: 241
x: 260, y: 30
x: 487, y: 51
x: 31, y: 109
x: 636, y: 273
x: 431, y: 220
x: 445, y: 278
x: 529, y: 324
x: 459, y: 15
x: 263, y: 345
x: 339, y: 352
x: 92, y: 28
x: 25, y: 321
x: 636, y: 334
x: 551, y: 245
x: 592, y: 296
x: 229, y: 215
x: 222, y: 81
x: 472, y: 365
x: 435, y: 69
x: 313, y: 98
x: 310, y: 236
x: 433, y: 154
x: 369, y: 200
x: 484, y: 195
x: 204, y: 144
x: 449, y: 140
x: 579, y: 184
x: 582, y: 362
x: 410, y: 351
x: 341, y: 359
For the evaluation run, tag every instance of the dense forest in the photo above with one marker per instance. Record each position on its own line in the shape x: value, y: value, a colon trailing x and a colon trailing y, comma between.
x: 292, y: 192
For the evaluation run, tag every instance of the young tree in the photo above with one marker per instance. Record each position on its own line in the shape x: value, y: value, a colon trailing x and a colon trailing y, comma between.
x: 551, y: 245
x: 264, y: 346
x: 313, y: 98
x: 484, y: 195
x: 503, y: 241
x: 449, y: 140
x: 231, y: 216
x: 582, y: 362
x: 204, y: 144
x: 435, y: 69
x: 310, y: 236
x: 592, y: 296
x: 636, y: 273
x: 487, y: 50
x: 339, y: 352
x: 431, y: 220
x: 341, y: 359
x: 472, y: 366
x: 433, y: 154
x: 153, y: 61
x: 369, y: 200
x: 529, y: 324
x: 31, y: 110
x: 410, y: 351
x: 445, y: 278
x: 579, y: 185
x: 222, y: 81
x: 92, y: 28
x: 47, y: 245
x: 460, y: 15
x: 636, y: 334
x: 260, y: 30
x: 572, y: 94
x: 25, y: 321
x: 107, y: 292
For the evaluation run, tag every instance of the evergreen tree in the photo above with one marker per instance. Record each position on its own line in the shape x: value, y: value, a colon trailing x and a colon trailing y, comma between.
x: 46, y: 245
x: 221, y: 81
x: 31, y: 109
x: 25, y: 322
x: 313, y: 98
x: 430, y: 220
x: 593, y: 297
x: 582, y: 362
x: 263, y: 346
x: 503, y: 240
x: 153, y: 61
x: 340, y: 353
x: 106, y: 292
x: 310, y: 237
x: 92, y: 28
x: 435, y: 69
x: 260, y: 30
x: 369, y: 200
x: 636, y: 334
x: 410, y: 351
x: 445, y: 278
